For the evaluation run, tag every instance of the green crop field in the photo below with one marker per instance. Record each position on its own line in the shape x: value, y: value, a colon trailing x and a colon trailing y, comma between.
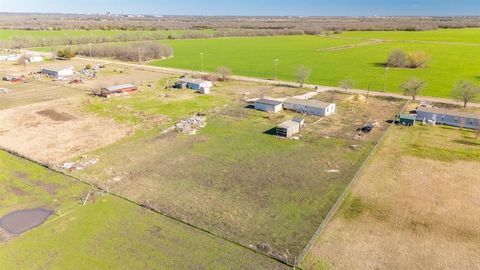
x: 255, y: 57
x: 106, y: 233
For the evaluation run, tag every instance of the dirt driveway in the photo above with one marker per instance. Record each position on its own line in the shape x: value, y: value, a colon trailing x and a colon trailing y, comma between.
x: 55, y: 131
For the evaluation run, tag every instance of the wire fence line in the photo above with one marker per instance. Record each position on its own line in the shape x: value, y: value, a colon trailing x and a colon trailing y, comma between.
x: 344, y: 194
x: 144, y: 206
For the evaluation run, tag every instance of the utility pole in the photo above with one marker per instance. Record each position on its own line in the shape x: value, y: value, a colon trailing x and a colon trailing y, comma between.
x: 201, y: 61
x: 139, y: 55
x: 386, y: 78
x: 276, y: 67
x: 368, y: 91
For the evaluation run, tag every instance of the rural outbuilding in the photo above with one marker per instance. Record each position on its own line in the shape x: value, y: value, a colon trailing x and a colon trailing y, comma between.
x: 448, y: 117
x: 58, y: 72
x: 406, y: 120
x: 268, y: 105
x: 202, y: 86
x: 118, y: 90
x: 314, y: 107
x: 288, y: 128
x: 35, y: 59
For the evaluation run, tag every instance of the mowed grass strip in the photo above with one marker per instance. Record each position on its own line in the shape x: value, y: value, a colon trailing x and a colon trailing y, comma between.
x: 255, y: 57
x: 106, y: 233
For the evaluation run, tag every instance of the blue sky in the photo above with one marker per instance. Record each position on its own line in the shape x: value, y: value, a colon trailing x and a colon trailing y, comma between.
x: 250, y: 7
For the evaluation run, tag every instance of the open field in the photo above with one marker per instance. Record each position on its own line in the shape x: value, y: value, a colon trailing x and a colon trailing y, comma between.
x: 233, y: 178
x: 255, y: 57
x: 106, y: 233
x: 415, y: 206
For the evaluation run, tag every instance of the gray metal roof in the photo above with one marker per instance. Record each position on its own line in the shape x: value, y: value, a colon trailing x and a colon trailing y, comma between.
x: 269, y: 101
x: 288, y: 124
x: 449, y: 112
x: 120, y: 86
x: 308, y: 102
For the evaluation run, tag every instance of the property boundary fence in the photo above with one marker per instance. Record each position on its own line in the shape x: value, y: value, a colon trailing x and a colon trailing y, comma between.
x: 344, y: 194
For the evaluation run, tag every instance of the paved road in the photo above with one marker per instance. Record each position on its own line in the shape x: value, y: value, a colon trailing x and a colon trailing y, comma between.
x: 317, y: 88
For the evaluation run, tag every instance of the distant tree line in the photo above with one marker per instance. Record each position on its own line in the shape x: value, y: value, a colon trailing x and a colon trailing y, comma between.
x: 143, y: 51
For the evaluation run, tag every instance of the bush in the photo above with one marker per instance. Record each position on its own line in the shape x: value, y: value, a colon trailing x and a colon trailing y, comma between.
x: 399, y: 59
x: 66, y: 53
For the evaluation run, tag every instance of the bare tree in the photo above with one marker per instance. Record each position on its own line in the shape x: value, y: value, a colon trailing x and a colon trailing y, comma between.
x: 412, y: 87
x: 398, y: 59
x: 347, y: 84
x: 224, y: 73
x: 23, y: 60
x: 466, y: 91
x: 302, y: 74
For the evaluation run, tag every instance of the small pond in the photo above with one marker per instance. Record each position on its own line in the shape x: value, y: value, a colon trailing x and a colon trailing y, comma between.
x: 18, y: 222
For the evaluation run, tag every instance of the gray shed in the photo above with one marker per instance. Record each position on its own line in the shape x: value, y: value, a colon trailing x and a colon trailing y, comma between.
x: 448, y: 117
x: 288, y: 128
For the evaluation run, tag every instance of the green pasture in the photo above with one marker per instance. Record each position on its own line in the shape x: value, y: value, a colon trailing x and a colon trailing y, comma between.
x: 255, y: 57
x: 106, y: 233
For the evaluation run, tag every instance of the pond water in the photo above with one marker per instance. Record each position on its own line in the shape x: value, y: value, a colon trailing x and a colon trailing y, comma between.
x: 24, y: 220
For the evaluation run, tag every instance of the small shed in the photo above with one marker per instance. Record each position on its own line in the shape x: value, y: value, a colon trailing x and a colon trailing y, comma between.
x: 299, y: 120
x: 288, y: 128
x: 406, y: 119
x: 118, y: 90
x: 313, y: 107
x: 268, y: 105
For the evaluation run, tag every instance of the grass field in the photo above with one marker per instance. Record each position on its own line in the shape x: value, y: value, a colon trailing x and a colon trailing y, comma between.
x: 232, y: 178
x: 256, y: 57
x: 106, y: 233
x: 412, y: 208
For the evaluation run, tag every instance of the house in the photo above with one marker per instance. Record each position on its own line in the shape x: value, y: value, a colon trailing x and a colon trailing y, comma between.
x: 309, y: 106
x: 448, y: 117
x: 58, y: 73
x: 268, y: 105
x: 202, y: 86
x: 118, y: 90
x: 35, y: 59
x: 406, y: 119
x: 288, y: 128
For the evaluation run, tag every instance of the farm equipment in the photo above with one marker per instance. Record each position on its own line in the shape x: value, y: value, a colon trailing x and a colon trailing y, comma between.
x: 76, y: 81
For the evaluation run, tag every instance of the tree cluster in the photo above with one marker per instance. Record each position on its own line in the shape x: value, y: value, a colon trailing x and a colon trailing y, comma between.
x: 400, y: 59
x: 143, y: 51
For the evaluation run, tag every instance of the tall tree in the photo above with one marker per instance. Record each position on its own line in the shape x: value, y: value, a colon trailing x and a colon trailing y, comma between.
x: 224, y: 73
x: 412, y: 87
x: 347, y: 84
x: 302, y: 74
x: 466, y: 91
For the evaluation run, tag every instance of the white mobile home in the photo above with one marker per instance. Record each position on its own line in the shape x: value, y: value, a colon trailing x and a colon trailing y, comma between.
x: 448, y: 117
x: 199, y: 85
x: 268, y: 105
x: 35, y: 59
x: 309, y: 106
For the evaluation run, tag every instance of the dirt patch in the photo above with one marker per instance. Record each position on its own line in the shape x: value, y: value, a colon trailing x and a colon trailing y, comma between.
x: 56, y: 116
x: 17, y: 191
x: 21, y: 221
x: 56, y: 131
x: 407, y: 212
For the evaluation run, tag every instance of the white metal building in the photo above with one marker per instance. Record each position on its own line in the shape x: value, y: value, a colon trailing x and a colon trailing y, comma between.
x: 288, y: 128
x: 58, y: 73
x: 314, y: 107
x: 268, y: 105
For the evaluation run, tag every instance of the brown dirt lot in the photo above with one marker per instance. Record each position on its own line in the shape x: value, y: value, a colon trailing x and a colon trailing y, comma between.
x: 414, y: 207
x: 55, y: 131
